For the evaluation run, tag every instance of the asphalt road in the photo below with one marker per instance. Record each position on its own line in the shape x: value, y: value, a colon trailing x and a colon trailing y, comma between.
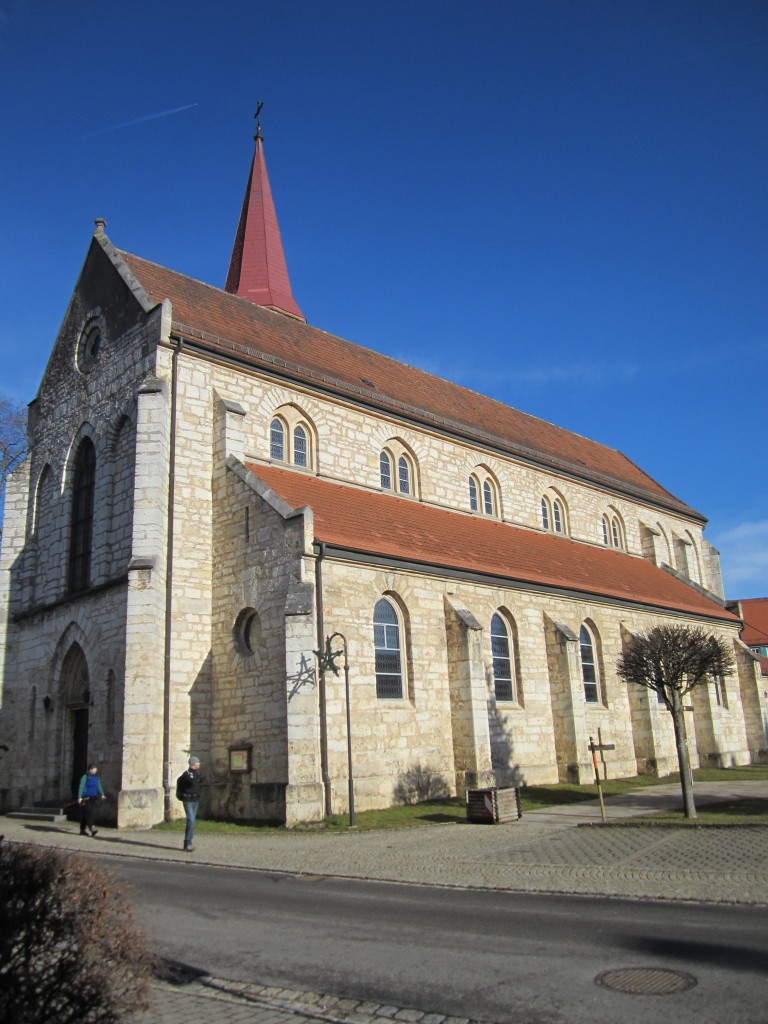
x: 506, y: 957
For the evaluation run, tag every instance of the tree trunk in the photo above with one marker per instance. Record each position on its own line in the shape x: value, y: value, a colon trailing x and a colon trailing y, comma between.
x: 683, y: 760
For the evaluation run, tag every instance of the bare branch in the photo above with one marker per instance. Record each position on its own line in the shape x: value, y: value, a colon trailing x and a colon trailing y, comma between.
x: 13, y: 437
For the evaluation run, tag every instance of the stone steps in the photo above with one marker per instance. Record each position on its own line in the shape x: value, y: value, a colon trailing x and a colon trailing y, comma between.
x: 38, y: 814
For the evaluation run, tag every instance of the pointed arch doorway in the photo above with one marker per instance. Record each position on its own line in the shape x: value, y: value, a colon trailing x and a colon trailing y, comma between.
x: 76, y: 693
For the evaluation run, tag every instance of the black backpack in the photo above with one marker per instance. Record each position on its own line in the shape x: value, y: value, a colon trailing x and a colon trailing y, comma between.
x: 180, y: 787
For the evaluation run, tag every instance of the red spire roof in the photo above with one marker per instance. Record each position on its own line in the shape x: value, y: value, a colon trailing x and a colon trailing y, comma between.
x: 257, y: 270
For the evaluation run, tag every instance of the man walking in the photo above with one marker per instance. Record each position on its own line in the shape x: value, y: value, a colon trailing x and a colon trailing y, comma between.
x: 188, y: 787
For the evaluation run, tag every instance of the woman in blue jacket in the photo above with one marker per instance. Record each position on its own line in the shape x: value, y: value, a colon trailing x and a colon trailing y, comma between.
x: 88, y: 793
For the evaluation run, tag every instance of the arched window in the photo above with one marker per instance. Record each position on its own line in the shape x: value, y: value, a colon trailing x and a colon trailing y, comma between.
x: 398, y: 469
x: 81, y: 536
x: 692, y: 559
x: 299, y: 446
x: 473, y: 494
x: 553, y: 514
x: 385, y: 471
x: 483, y: 492
x: 292, y: 437
x: 613, y: 534
x: 277, y: 440
x: 503, y: 679
x: 403, y: 475
x: 388, y: 651
x: 488, y: 503
x: 557, y: 516
x: 589, y: 669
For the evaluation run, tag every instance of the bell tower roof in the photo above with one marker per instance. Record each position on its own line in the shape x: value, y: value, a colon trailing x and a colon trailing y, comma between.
x: 257, y: 269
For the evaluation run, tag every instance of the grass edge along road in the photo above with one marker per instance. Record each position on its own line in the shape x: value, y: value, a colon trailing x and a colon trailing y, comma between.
x: 453, y: 809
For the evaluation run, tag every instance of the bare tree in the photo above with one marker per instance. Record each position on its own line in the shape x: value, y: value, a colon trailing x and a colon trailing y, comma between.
x: 13, y: 437
x: 672, y: 661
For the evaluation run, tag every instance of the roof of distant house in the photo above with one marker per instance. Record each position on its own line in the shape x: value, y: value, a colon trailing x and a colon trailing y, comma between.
x: 754, y: 611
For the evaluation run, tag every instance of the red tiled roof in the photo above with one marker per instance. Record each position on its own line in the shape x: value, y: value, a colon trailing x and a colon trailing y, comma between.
x: 268, y: 340
x: 754, y: 611
x: 399, y: 528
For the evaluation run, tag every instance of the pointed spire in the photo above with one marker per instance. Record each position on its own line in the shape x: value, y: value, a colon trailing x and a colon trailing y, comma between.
x: 257, y: 269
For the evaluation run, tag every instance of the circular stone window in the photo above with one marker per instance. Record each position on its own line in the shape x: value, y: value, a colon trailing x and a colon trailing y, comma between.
x: 247, y: 631
x: 89, y: 348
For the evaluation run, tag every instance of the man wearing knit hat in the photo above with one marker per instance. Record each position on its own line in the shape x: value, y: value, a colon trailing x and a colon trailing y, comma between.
x: 188, y: 789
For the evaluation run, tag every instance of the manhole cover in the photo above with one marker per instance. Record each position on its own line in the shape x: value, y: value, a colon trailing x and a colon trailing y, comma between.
x: 646, y: 981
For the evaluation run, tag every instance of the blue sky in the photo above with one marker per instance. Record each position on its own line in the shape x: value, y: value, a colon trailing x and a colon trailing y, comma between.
x: 560, y: 204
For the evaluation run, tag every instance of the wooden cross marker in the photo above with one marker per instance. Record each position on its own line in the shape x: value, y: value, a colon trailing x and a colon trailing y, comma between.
x: 594, y: 747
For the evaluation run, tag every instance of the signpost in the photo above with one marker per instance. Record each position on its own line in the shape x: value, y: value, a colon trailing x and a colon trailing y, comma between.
x: 594, y: 747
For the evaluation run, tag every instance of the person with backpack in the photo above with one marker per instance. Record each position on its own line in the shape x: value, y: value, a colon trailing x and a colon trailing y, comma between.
x: 188, y: 791
x: 88, y: 793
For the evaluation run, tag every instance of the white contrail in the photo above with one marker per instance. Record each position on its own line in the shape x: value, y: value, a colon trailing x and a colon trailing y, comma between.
x: 140, y: 120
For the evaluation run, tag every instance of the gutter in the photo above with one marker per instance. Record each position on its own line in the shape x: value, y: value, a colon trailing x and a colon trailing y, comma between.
x: 320, y: 546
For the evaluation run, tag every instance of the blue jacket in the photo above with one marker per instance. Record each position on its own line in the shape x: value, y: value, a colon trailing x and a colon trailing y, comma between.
x: 90, y: 785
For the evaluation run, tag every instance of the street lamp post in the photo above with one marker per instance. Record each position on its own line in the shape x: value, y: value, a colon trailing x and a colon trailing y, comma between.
x: 327, y: 660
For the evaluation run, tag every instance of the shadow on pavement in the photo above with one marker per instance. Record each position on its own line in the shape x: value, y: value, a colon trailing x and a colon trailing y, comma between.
x: 703, y: 952
x: 100, y: 838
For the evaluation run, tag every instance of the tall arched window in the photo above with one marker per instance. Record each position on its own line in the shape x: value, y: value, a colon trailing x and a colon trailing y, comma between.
x: 589, y: 669
x: 277, y: 440
x: 388, y: 651
x: 385, y: 471
x: 299, y: 446
x: 545, y: 513
x: 81, y: 537
x: 488, y: 503
x: 403, y: 475
x: 503, y: 680
x: 473, y: 494
x: 557, y: 516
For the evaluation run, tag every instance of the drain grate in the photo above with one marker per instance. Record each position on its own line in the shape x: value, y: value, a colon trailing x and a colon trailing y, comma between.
x: 646, y: 981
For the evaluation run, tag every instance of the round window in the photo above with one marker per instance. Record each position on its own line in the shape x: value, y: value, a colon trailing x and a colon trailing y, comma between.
x: 89, y: 348
x: 247, y: 631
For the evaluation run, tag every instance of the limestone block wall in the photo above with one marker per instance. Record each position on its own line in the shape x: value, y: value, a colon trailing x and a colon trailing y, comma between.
x: 79, y: 397
x: 347, y: 439
x: 265, y: 696
x: 546, y: 731
x: 392, y: 740
x: 141, y: 801
x: 38, y: 765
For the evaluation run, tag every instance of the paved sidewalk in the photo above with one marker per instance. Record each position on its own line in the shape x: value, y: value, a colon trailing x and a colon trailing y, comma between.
x: 542, y: 852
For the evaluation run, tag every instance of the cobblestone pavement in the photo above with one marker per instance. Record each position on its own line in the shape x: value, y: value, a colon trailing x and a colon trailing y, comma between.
x: 542, y: 852
x: 229, y: 1002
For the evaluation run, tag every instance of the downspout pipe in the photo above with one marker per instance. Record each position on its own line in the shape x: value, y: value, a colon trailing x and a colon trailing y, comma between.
x: 167, y: 789
x: 320, y: 548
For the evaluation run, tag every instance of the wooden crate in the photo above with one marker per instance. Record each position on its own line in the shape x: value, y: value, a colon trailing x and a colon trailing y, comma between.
x: 493, y: 806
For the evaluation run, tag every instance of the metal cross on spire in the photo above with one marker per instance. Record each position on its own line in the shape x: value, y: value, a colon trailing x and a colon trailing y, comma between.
x: 257, y: 115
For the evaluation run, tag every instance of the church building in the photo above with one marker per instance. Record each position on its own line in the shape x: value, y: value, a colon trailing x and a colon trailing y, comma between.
x: 239, y: 536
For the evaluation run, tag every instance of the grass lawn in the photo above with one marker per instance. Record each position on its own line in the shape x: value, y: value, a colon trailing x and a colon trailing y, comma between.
x: 531, y: 798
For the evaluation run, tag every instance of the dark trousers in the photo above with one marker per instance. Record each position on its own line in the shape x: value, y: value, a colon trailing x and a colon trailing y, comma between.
x: 87, y: 808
